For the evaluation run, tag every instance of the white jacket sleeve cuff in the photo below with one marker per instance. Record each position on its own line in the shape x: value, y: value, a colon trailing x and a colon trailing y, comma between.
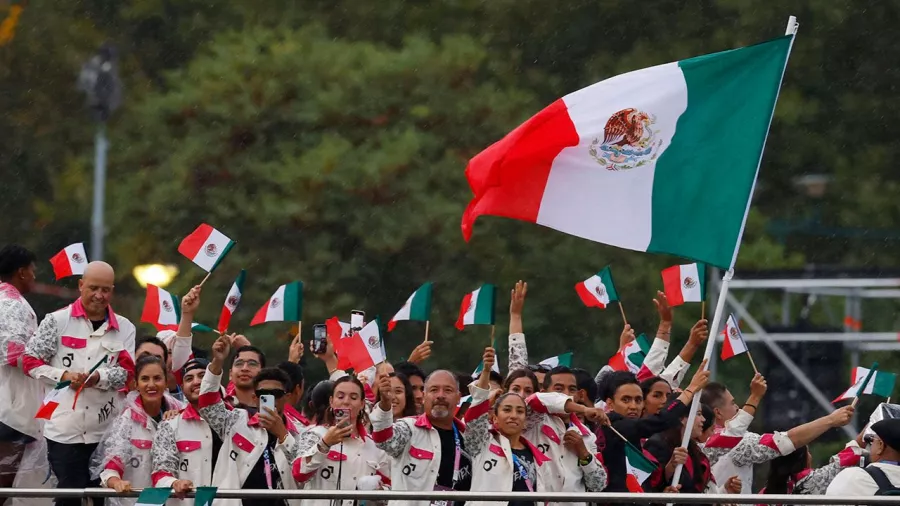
x: 380, y: 418
x: 337, y: 374
x: 106, y: 475
x: 784, y: 443
x: 210, y: 383
x: 656, y: 357
x: 553, y: 402
x: 517, y: 338
x: 674, y: 372
x: 739, y: 424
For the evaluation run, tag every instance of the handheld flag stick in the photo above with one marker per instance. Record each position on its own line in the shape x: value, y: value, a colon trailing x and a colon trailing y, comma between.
x: 427, y: 327
x: 493, y: 328
x: 617, y: 432
x: 703, y: 310
x: 208, y: 274
x: 750, y: 356
x: 865, y: 383
x: 622, y: 310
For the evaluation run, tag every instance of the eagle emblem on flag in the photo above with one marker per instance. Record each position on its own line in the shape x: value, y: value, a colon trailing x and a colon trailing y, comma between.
x: 374, y: 342
x: 77, y: 258
x: 733, y: 332
x: 211, y: 250
x: 167, y: 306
x: 233, y: 301
x: 689, y: 282
x: 599, y: 290
x: 275, y: 302
x: 628, y: 141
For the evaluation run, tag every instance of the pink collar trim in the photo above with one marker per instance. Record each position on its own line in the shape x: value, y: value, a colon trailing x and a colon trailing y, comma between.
x: 78, y: 312
x: 190, y: 413
x: 422, y: 421
x: 10, y: 291
x: 576, y: 422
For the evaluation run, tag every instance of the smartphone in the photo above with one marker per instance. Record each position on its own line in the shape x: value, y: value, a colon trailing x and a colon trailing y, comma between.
x: 266, y: 401
x: 319, y: 343
x: 341, y: 416
x: 357, y: 320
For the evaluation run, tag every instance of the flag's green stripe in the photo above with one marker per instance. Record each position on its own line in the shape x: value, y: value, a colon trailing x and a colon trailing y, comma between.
x: 607, y: 280
x: 884, y: 384
x: 420, y: 309
x: 240, y: 281
x: 177, y: 306
x: 565, y: 359
x: 199, y: 327
x: 204, y: 496
x: 701, y: 274
x: 222, y: 256
x: 637, y: 459
x: 484, y: 309
x: 154, y: 496
x: 702, y: 182
x: 865, y: 383
x: 644, y: 342
x: 293, y: 301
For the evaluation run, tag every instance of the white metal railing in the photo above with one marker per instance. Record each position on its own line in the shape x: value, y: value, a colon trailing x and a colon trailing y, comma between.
x: 601, y: 497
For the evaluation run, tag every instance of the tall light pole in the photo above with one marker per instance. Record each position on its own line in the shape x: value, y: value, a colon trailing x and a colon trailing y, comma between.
x: 99, y: 80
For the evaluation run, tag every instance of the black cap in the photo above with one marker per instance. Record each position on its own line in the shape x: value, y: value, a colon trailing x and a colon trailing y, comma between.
x: 889, y: 432
x: 192, y: 364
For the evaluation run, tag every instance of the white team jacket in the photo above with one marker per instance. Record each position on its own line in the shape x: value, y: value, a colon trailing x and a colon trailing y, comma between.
x: 66, y: 341
x: 182, y: 450
x: 21, y: 394
x: 355, y: 459
x: 547, y: 431
x: 243, y: 441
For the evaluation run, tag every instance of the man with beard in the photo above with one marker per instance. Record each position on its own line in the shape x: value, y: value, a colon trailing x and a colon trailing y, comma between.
x: 185, y: 450
x: 427, y: 452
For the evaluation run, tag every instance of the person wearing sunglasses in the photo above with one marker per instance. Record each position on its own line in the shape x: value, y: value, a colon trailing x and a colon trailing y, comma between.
x: 257, y: 449
x: 339, y: 453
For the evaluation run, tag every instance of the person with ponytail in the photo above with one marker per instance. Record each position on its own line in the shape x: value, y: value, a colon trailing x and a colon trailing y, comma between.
x: 338, y: 453
x: 122, y: 460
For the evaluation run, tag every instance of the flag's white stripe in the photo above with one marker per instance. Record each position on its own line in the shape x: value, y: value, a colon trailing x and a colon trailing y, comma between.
x: 592, y: 284
x: 234, y: 292
x: 737, y: 344
x: 371, y: 332
x: 166, y: 316
x: 276, y: 314
x: 403, y: 314
x: 71, y: 250
x: 469, y: 317
x: 859, y: 374
x: 692, y: 294
x: 580, y: 193
x: 218, y: 240
x: 551, y: 362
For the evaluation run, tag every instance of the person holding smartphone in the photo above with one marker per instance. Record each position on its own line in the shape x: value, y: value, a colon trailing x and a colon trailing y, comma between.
x: 338, y: 453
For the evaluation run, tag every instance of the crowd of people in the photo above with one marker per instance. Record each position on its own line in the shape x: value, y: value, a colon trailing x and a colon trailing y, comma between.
x: 154, y: 412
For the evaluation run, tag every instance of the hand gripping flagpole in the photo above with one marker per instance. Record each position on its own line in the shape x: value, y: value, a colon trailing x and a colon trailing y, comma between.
x: 726, y: 279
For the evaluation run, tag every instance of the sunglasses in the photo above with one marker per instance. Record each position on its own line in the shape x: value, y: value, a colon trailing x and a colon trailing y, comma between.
x: 276, y: 393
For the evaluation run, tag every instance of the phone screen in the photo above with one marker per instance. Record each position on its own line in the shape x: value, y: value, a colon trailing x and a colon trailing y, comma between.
x: 319, y: 344
x: 357, y: 319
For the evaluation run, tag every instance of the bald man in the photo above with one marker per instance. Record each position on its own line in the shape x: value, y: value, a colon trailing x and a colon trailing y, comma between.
x: 89, y: 346
x: 427, y: 452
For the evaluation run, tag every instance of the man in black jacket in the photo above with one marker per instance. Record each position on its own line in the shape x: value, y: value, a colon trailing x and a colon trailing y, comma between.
x: 625, y: 401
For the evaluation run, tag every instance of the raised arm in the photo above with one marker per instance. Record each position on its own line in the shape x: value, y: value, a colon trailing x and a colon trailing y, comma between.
x: 676, y: 370
x: 211, y: 406
x: 184, y: 336
x: 478, y: 424
x: 393, y: 438
x: 518, y: 351
x: 659, y: 350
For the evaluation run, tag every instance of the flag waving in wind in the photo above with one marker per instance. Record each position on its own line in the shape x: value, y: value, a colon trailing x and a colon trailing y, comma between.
x: 598, y: 290
x: 285, y: 305
x: 364, y: 349
x: 71, y: 261
x: 232, y: 300
x: 161, y: 309
x: 880, y: 383
x: 478, y: 307
x: 672, y: 144
x: 684, y: 283
x: 734, y: 340
x: 206, y: 247
x: 638, y: 466
x: 417, y: 307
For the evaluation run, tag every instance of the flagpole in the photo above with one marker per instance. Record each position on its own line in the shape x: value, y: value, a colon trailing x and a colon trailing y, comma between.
x: 707, y: 355
x: 622, y: 310
x: 703, y: 310
x: 208, y: 274
x: 493, y: 328
x: 865, y: 383
x: 750, y: 356
x: 427, y: 326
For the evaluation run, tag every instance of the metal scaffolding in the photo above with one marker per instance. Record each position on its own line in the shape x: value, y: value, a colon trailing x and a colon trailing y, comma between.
x: 813, y: 288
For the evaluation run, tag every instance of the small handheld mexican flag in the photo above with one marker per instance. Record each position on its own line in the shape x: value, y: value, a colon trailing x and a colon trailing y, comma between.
x: 734, y: 340
x: 206, y: 247
x: 565, y: 360
x: 478, y: 307
x: 364, y: 349
x: 51, y: 401
x: 71, y: 261
x: 153, y: 496
x: 639, y: 468
x: 417, y: 307
x: 337, y: 331
x: 598, y: 290
x: 232, y: 301
x: 477, y: 372
x: 631, y: 356
x: 685, y: 283
x: 285, y: 305
x: 199, y: 327
x: 161, y: 309
x: 878, y: 383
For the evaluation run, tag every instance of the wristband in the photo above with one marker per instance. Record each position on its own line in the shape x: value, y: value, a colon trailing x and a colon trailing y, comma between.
x: 585, y: 461
x: 751, y: 405
x: 688, y: 390
x: 323, y: 447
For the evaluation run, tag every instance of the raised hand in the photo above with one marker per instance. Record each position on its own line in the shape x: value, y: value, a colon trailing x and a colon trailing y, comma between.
x: 238, y: 340
x: 663, y: 307
x: 295, y: 353
x: 220, y: 350
x: 841, y: 416
x: 700, y: 379
x: 385, y: 393
x: 626, y: 336
x: 517, y: 298
x: 758, y: 386
x: 699, y: 333
x: 484, y: 381
x: 191, y: 301
x: 336, y: 434
x: 421, y: 353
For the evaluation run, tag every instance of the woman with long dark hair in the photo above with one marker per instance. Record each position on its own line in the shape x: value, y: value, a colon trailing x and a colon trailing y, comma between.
x: 656, y: 392
x: 522, y: 382
x: 122, y: 460
x: 793, y: 473
x: 403, y: 403
x: 338, y: 453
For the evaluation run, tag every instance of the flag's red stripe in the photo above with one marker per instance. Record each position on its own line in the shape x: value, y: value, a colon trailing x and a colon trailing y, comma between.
x: 355, y: 350
x: 61, y: 266
x: 224, y: 319
x: 460, y: 322
x: 672, y: 285
x: 508, y: 178
x: 191, y: 244
x: 727, y: 350
x: 587, y: 297
x: 261, y: 314
x: 151, y: 306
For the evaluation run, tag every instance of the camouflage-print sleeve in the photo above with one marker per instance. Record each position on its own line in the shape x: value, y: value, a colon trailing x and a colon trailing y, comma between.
x: 751, y: 451
x: 41, y: 349
x: 307, y: 444
x: 399, y: 441
x: 477, y: 436
x: 594, y: 475
x: 13, y: 331
x: 164, y: 452
x: 518, y: 352
x: 714, y: 454
x: 220, y: 419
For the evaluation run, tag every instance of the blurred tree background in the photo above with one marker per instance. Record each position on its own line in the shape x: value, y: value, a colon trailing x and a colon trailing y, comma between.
x: 330, y: 138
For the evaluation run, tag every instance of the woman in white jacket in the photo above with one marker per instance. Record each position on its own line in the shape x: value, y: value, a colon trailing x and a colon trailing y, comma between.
x: 339, y: 454
x: 122, y: 460
x: 502, y: 459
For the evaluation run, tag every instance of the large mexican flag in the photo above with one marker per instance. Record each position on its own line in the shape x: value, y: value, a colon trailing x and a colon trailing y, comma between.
x: 662, y: 159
